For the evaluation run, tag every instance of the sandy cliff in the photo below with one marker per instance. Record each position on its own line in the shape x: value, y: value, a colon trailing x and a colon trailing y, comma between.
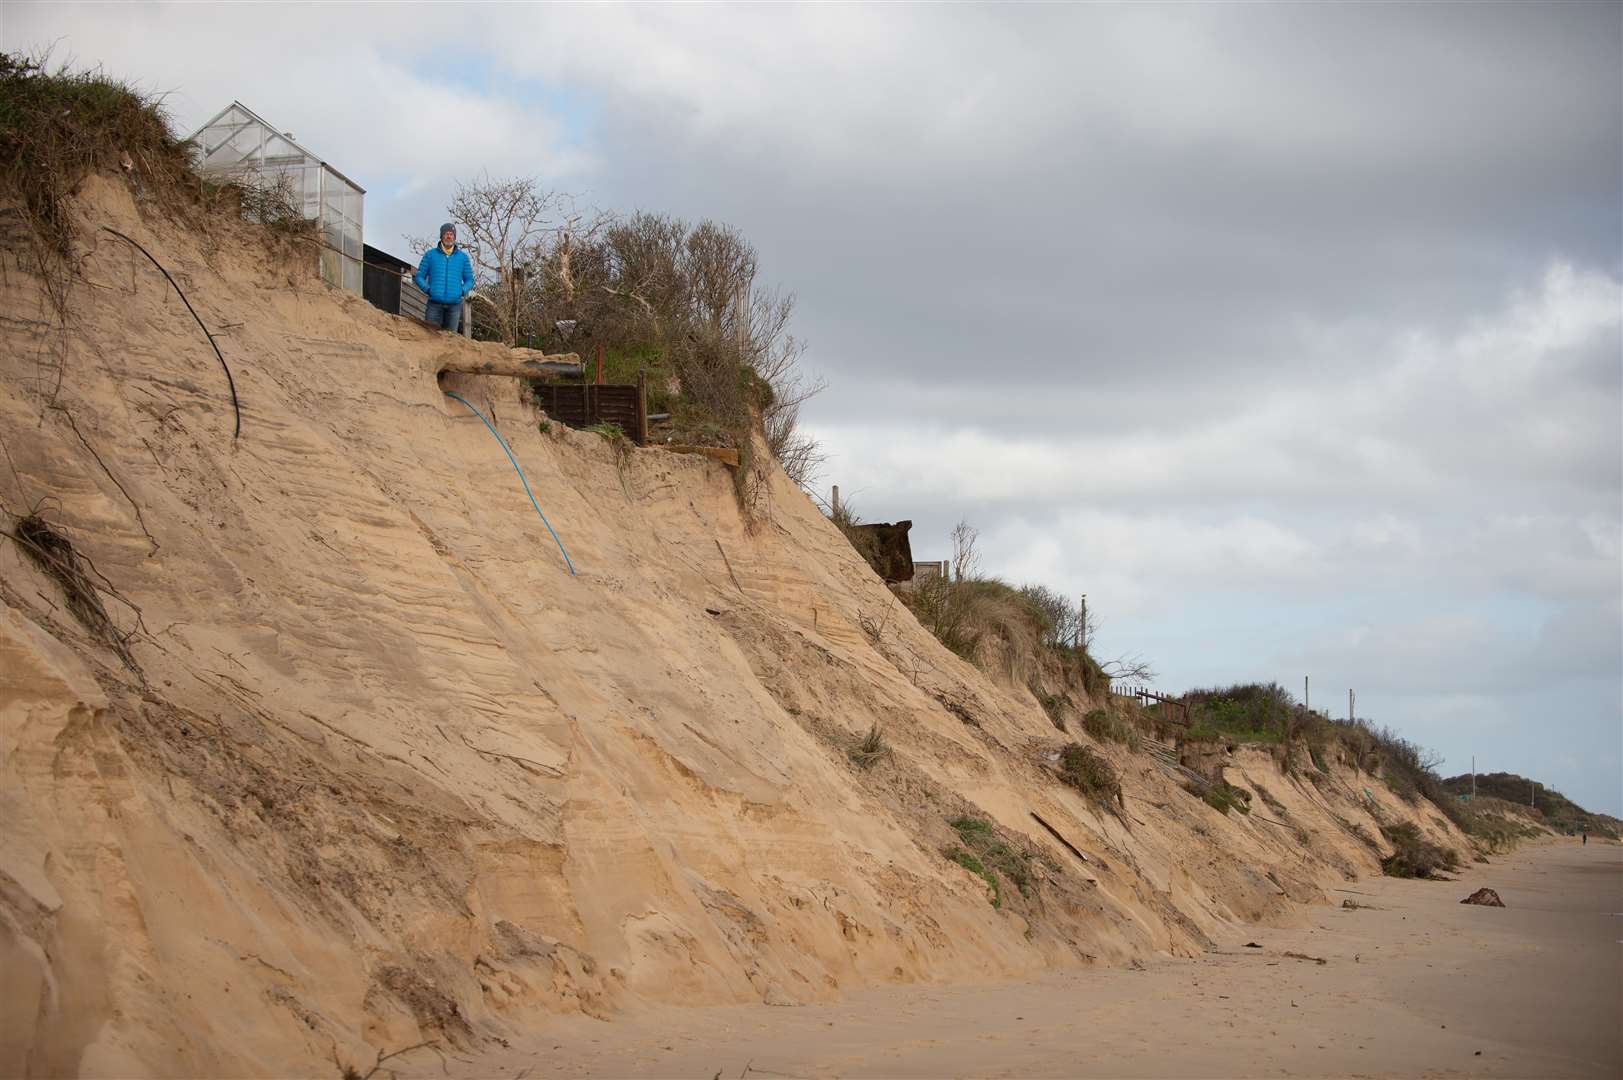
x: 374, y: 768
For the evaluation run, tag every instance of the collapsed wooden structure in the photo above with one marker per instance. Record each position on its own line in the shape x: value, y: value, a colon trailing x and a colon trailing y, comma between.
x: 578, y: 404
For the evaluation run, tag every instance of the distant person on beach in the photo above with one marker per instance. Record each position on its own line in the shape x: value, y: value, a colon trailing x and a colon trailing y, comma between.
x: 1586, y: 836
x: 446, y: 275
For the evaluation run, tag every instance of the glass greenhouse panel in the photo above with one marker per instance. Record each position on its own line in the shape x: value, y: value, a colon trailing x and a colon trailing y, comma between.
x: 241, y: 145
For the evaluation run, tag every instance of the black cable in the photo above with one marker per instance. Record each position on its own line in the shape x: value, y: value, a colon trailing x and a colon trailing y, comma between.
x: 229, y: 380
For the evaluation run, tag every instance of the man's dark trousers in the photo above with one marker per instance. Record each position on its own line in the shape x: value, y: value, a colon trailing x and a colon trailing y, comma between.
x: 445, y: 316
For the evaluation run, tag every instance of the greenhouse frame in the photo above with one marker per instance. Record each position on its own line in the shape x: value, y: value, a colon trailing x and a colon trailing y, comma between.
x: 238, y: 143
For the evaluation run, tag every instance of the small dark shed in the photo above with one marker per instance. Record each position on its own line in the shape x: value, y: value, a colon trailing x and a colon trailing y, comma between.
x: 886, y: 548
x: 386, y: 283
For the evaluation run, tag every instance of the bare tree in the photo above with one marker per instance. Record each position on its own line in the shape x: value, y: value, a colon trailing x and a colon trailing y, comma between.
x: 1128, y: 669
x: 966, y: 561
x: 518, y: 235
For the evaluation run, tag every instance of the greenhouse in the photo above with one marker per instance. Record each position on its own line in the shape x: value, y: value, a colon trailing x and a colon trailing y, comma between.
x: 238, y: 143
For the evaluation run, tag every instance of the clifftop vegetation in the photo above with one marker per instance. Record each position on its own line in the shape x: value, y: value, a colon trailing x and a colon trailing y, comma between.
x: 654, y: 294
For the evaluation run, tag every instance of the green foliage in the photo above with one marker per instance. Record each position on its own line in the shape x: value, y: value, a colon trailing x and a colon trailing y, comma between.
x: 1244, y: 713
x: 611, y: 432
x: 1497, y: 825
x: 991, y: 855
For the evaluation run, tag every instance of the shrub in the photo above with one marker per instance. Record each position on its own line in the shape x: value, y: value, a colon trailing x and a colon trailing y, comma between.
x: 1413, y: 856
x: 1090, y: 773
x: 1247, y: 712
x: 56, y: 127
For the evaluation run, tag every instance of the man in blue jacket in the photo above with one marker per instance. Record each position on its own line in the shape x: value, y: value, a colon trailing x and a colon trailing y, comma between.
x: 446, y: 275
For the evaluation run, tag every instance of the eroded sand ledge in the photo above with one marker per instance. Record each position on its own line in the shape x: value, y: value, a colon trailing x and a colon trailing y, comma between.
x: 1414, y: 984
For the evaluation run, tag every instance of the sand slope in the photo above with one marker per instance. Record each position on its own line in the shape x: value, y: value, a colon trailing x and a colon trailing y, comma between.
x: 378, y: 769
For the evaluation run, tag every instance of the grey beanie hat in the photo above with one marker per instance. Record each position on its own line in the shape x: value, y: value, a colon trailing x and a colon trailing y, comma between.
x: 447, y: 228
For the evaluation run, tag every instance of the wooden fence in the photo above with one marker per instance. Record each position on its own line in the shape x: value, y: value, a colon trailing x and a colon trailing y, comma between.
x: 581, y: 405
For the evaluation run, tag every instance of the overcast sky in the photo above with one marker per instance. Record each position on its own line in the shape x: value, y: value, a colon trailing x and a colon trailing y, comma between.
x: 1290, y: 334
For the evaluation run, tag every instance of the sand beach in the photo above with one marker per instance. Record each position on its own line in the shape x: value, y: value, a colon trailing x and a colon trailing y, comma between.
x: 1412, y: 984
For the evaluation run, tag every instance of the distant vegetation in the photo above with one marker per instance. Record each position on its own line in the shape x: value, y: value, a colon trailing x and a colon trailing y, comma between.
x: 1549, y: 806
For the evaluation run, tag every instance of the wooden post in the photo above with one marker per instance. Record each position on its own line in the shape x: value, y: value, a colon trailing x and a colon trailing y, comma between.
x: 642, y: 407
x: 834, y: 502
x: 599, y: 377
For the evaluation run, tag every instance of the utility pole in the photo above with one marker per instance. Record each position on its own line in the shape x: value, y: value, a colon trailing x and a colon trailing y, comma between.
x: 1532, y: 795
x: 1473, y: 776
x: 1349, y: 705
x: 834, y: 502
x: 1306, y: 702
x: 1082, y: 630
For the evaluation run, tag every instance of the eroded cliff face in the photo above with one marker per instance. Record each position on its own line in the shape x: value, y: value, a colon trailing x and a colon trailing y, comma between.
x: 372, y: 767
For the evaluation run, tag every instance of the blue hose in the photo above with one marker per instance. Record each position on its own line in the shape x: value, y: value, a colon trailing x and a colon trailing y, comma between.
x: 522, y: 480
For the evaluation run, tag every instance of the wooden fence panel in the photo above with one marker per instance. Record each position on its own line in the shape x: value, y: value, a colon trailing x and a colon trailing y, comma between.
x: 583, y: 405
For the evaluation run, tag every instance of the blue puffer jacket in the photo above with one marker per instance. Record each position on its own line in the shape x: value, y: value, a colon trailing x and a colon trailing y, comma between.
x: 445, y: 278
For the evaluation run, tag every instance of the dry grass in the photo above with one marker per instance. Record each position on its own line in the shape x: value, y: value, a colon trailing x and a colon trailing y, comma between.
x: 55, y: 556
x: 1107, y: 726
x: 868, y: 750
x: 57, y: 127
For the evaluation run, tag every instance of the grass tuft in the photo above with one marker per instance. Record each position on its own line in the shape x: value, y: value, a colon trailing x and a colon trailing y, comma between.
x: 869, y: 749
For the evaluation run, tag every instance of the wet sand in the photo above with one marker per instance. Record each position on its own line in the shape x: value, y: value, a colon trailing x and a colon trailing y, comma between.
x: 1414, y: 984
